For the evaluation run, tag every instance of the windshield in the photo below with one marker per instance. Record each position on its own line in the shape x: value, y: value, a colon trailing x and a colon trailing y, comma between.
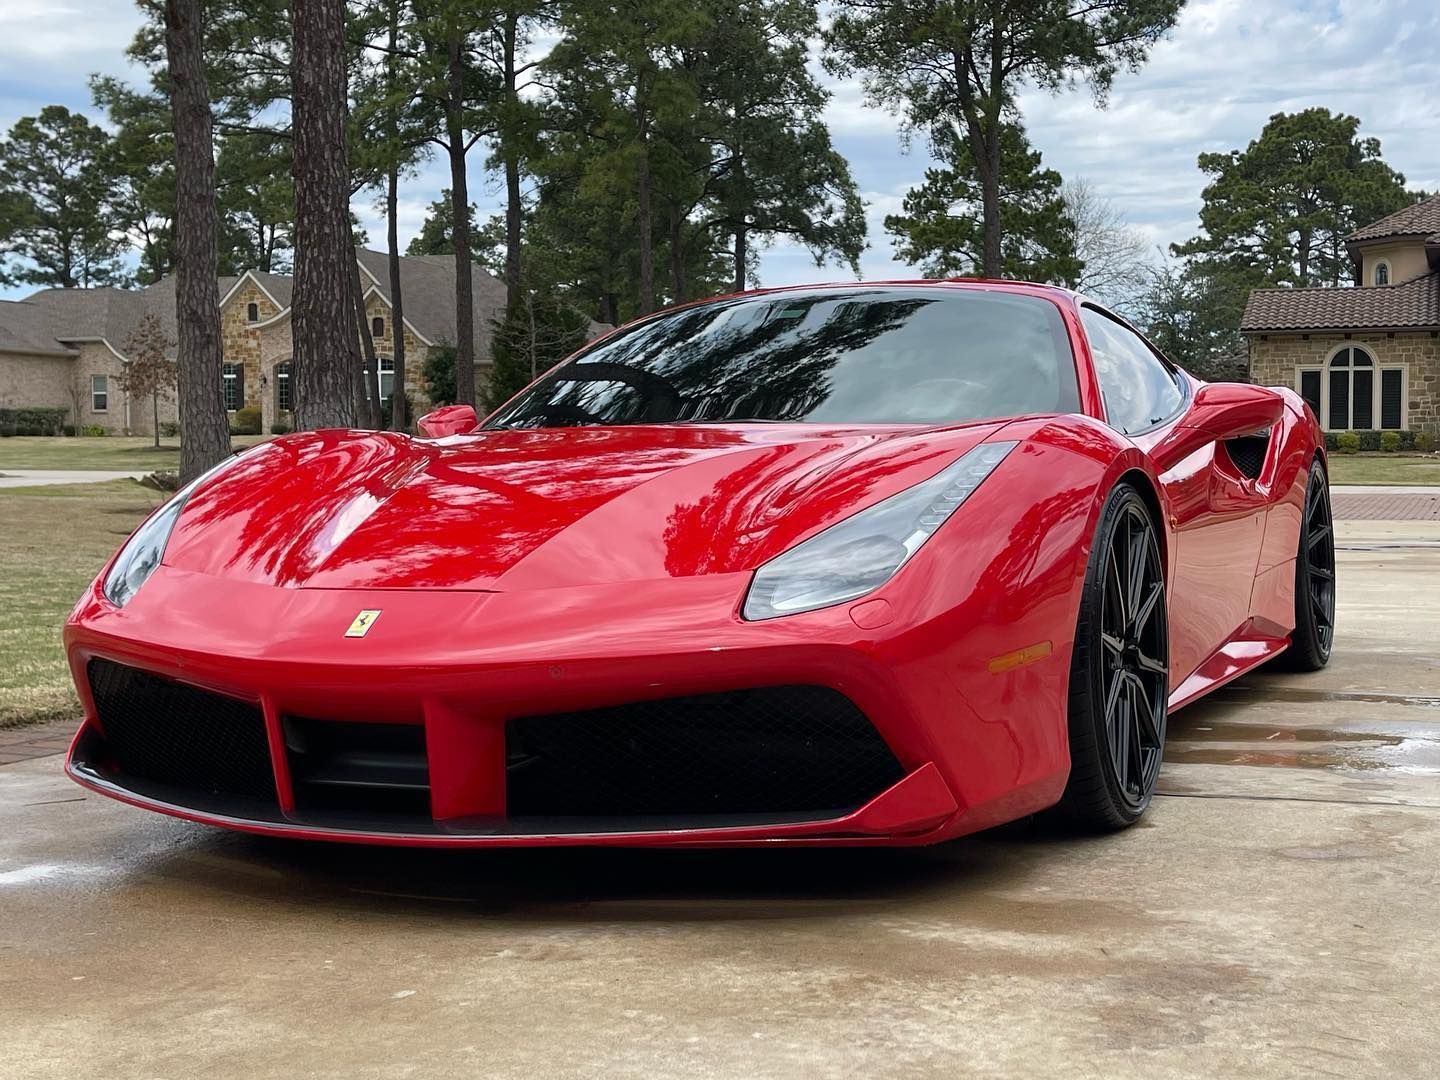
x: 832, y: 356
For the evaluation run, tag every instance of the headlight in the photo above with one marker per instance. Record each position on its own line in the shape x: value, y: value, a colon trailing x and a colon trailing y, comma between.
x: 144, y: 550
x: 861, y: 553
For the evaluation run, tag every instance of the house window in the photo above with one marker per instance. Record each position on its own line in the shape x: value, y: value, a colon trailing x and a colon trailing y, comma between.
x: 252, y: 312
x: 1345, y: 396
x: 283, y: 395
x: 99, y: 393
x: 377, y: 327
x: 1382, y: 273
x: 387, y: 377
x: 233, y: 387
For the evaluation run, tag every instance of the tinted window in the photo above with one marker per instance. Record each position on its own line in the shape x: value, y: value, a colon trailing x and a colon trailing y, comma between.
x: 851, y: 356
x: 1139, y: 390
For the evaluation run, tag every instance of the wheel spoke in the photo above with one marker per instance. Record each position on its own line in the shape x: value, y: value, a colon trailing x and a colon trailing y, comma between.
x: 1113, y: 644
x: 1121, y: 610
x: 1137, y: 569
x: 1146, y: 726
x: 1318, y: 532
x: 1322, y: 574
x: 1135, y: 740
x: 1120, y: 741
x: 1150, y: 664
x: 1146, y: 609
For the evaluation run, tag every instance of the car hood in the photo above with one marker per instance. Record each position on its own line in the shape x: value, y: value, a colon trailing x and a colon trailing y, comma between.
x: 511, y: 510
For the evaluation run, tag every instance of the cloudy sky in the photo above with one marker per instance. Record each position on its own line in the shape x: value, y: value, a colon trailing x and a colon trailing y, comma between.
x: 1228, y: 65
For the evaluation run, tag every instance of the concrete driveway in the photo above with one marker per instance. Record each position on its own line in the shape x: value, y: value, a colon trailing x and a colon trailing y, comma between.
x: 1277, y: 914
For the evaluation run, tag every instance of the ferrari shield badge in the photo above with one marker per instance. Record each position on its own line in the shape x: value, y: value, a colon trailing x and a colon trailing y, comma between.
x: 362, y: 623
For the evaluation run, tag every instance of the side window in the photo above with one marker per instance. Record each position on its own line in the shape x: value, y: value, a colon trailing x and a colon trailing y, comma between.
x: 1139, y: 390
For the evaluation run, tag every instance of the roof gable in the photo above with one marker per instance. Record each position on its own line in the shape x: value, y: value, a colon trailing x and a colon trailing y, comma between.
x: 1413, y: 304
x: 1422, y: 219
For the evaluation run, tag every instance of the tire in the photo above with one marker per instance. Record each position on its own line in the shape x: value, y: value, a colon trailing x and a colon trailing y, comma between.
x: 1119, y: 672
x: 1314, y: 632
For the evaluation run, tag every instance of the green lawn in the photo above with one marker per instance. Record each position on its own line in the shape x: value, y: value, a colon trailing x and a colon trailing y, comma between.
x: 56, y: 539
x: 1407, y: 469
x: 120, y: 453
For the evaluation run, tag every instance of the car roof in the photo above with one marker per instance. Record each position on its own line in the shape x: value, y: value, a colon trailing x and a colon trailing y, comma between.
x: 1057, y: 292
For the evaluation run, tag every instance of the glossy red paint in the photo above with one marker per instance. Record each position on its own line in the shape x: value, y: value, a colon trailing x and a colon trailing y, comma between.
x: 554, y: 570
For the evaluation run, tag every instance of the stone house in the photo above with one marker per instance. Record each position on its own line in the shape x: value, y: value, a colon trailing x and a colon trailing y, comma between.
x: 64, y: 348
x: 1366, y: 357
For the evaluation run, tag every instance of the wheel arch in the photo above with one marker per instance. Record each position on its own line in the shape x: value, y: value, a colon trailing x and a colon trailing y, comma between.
x: 1143, y: 483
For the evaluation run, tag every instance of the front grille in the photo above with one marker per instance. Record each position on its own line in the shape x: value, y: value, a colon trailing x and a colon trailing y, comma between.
x: 180, y: 736
x: 375, y: 769
x: 777, y: 750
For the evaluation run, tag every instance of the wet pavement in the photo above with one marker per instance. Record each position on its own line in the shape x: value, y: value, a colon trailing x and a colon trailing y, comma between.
x: 1276, y: 914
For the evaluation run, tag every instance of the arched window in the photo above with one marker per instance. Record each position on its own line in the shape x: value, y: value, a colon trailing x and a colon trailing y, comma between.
x: 284, y: 395
x: 252, y: 312
x: 377, y: 327
x: 1382, y: 273
x: 233, y: 386
x: 1353, y: 392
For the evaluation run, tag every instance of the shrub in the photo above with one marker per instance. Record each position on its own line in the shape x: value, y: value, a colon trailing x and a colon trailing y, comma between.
x: 68, y: 431
x: 438, y: 370
x: 1390, y: 441
x: 246, y: 421
x: 1348, y: 442
x: 33, y: 421
x: 169, y: 429
x: 94, y: 431
x: 1369, y: 440
x: 1424, y: 441
x: 1332, y: 442
x: 279, y: 428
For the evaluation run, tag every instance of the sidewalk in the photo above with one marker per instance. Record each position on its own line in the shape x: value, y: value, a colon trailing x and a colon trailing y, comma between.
x: 36, y: 740
x: 1357, y: 503
x: 13, y: 478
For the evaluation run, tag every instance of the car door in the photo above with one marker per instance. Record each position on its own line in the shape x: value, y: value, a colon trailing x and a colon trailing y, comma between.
x: 1216, y: 513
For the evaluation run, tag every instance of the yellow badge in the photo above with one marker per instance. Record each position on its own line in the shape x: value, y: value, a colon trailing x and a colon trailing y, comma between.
x: 361, y: 626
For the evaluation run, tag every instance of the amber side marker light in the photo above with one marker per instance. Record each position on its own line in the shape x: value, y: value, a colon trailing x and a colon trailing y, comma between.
x: 1019, y: 658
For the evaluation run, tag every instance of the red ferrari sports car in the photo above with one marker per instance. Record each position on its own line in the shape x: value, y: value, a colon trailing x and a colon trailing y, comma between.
x: 853, y: 564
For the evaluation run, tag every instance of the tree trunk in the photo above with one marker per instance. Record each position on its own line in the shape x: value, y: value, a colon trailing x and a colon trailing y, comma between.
x: 367, y: 350
x: 206, y: 429
x: 322, y: 311
x: 513, y: 208
x: 993, y: 265
x: 460, y: 231
x: 643, y: 224
x: 678, y: 285
x: 155, y: 415
x: 741, y: 236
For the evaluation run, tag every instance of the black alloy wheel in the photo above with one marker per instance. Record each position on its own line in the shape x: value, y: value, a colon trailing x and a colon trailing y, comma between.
x: 1314, y: 633
x: 1120, y: 674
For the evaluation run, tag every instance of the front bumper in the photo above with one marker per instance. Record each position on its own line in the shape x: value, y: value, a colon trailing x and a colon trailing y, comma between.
x: 462, y: 665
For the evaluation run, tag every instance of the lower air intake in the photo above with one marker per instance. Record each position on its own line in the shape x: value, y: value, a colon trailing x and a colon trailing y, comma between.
x: 780, y: 750
x: 180, y: 736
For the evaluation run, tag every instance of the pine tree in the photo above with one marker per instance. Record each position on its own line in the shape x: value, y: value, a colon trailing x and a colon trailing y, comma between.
x: 57, y: 213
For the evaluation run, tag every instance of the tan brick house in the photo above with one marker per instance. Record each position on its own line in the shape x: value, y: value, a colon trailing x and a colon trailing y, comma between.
x: 1366, y: 357
x: 64, y: 348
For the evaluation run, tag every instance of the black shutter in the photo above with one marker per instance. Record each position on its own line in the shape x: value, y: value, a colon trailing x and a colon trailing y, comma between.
x: 1339, y: 400
x: 1392, y: 393
x: 1364, y: 395
x: 1310, y: 389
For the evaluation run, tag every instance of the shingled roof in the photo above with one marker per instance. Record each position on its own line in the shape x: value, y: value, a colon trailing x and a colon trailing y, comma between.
x: 1422, y: 219
x: 1411, y: 305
